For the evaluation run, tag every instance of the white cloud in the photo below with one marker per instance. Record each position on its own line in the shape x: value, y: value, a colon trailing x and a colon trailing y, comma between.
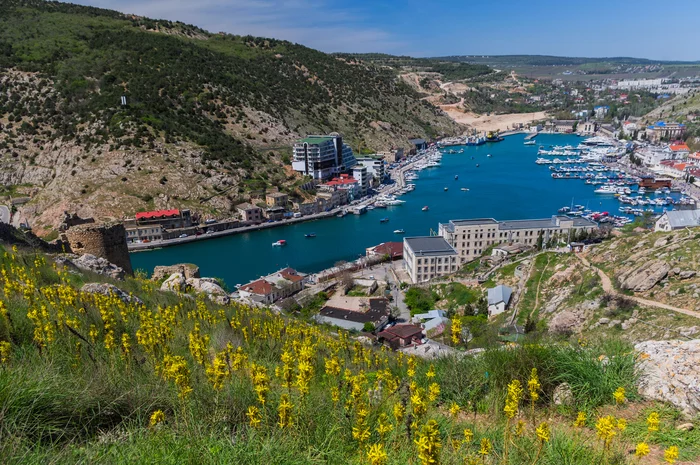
x: 313, y: 23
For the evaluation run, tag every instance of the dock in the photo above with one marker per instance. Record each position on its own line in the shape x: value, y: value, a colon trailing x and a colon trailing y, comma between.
x: 532, y: 136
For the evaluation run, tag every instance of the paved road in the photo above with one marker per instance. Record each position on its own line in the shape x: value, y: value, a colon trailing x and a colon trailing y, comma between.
x: 4, y: 214
x: 608, y: 287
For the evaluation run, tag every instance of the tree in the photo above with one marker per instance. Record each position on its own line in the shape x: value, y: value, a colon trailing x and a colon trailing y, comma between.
x: 540, y: 241
x: 368, y: 327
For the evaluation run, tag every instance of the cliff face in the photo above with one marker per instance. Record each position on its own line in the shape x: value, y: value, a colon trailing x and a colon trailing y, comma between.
x: 208, y: 116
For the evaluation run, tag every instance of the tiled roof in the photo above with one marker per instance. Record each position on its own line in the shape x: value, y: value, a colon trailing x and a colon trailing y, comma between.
x: 291, y: 274
x: 680, y: 147
x: 402, y: 331
x: 393, y: 249
x: 260, y: 287
x: 157, y: 214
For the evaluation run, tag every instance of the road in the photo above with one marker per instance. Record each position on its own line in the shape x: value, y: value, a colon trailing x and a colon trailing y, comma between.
x: 609, y: 288
x: 4, y: 214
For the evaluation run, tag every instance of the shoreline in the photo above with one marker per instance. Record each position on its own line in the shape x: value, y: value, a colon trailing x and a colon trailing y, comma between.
x: 399, y: 182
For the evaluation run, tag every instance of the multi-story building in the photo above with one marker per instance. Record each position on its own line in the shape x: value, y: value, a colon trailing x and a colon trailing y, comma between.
x: 330, y: 199
x: 375, y: 167
x: 471, y: 237
x: 361, y: 174
x: 277, y: 199
x: 271, y: 288
x: 250, y: 213
x: 392, y: 156
x: 665, y: 131
x: 322, y: 157
x: 428, y: 257
x: 587, y: 127
x: 344, y: 182
x: 307, y: 208
x: 150, y: 225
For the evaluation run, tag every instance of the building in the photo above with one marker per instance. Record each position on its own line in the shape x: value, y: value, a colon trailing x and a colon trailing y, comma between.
x: 361, y: 174
x: 271, y: 288
x: 506, y: 250
x: 375, y: 167
x: 307, y: 208
x: 678, y: 219
x: 433, y: 322
x: 377, y: 314
x: 629, y: 128
x: 652, y: 156
x: 564, y: 126
x: 330, y: 199
x: 392, y: 156
x: 394, y: 250
x: 149, y: 226
x: 250, y: 213
x: 275, y: 213
x: 343, y: 182
x: 665, y: 131
x: 399, y: 336
x: 587, y: 127
x: 680, y: 150
x: 471, y: 237
x: 277, y: 199
x: 418, y: 145
x: 498, y: 299
x: 322, y: 157
x: 427, y: 257
x: 600, y: 111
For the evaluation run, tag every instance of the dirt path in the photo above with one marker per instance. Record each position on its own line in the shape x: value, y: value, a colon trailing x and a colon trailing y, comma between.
x: 539, y: 282
x: 608, y: 287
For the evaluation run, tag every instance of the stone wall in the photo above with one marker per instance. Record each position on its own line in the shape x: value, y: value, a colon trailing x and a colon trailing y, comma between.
x: 102, y: 240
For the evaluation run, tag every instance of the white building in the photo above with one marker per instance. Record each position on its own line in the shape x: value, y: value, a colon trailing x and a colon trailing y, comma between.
x: 322, y: 157
x: 471, y: 237
x: 271, y: 288
x: 498, y: 299
x: 360, y: 173
x: 375, y: 167
x: 678, y: 219
x: 427, y: 257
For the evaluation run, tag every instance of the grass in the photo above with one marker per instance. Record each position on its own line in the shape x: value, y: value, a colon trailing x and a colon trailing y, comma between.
x: 71, y: 396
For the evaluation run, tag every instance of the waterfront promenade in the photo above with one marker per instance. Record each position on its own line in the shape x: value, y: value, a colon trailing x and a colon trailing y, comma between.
x: 397, y: 174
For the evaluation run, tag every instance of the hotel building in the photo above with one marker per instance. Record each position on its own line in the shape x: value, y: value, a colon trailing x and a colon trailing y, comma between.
x: 322, y: 157
x: 428, y: 257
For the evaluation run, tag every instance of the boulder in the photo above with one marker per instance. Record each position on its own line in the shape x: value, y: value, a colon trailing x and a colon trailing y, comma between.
x: 99, y: 265
x: 175, y: 283
x: 674, y: 271
x: 604, y: 321
x: 685, y: 427
x: 188, y: 270
x: 564, y: 323
x: 563, y: 395
x: 108, y: 290
x: 687, y: 274
x: 643, y: 277
x: 669, y: 373
x: 206, y: 285
x: 661, y: 242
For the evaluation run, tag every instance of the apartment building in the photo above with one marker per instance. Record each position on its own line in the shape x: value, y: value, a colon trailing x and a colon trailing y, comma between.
x: 375, y: 167
x: 428, y: 257
x: 250, y: 213
x: 361, y: 174
x: 322, y: 157
x: 277, y: 199
x: 471, y: 237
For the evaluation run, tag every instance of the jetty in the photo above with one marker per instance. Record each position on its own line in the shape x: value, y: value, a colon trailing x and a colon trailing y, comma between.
x: 532, y: 136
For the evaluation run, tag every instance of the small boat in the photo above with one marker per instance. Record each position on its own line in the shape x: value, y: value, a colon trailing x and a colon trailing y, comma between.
x: 341, y: 214
x: 384, y: 220
x: 425, y: 209
x: 456, y: 177
x: 446, y: 188
x: 399, y: 231
x: 465, y: 189
x: 529, y: 142
x: 489, y: 155
x: 310, y: 235
x: 279, y: 243
x: 477, y: 165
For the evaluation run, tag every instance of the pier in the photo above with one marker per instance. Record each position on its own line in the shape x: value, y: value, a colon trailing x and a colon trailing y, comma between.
x: 532, y: 136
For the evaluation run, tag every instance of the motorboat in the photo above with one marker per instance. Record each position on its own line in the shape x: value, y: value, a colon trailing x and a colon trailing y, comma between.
x: 425, y: 209
x: 456, y: 177
x: 384, y: 220
x: 489, y: 155
x: 446, y: 188
x: 529, y: 142
x: 399, y: 231
x: 279, y: 243
x: 465, y: 189
x: 313, y: 234
x: 477, y: 165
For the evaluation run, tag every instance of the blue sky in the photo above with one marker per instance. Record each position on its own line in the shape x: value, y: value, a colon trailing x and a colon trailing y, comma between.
x: 591, y: 28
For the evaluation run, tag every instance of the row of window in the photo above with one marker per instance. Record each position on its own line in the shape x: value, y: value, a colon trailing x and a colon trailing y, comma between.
x: 432, y: 260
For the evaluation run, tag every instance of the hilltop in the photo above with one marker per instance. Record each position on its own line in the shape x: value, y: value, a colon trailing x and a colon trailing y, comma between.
x: 208, y: 115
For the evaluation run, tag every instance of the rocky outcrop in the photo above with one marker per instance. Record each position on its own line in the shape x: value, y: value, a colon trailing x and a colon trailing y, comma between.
x: 109, y: 290
x: 205, y: 285
x: 565, y: 322
x: 669, y: 372
x: 644, y: 277
x: 176, y: 282
x: 188, y: 270
x: 563, y: 395
x: 687, y: 274
x: 88, y: 262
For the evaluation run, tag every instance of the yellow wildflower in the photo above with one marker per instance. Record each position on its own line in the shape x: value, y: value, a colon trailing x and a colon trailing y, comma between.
x: 285, y: 412
x: 619, y: 396
x: 433, y: 392
x: 653, y: 422
x: 376, y: 454
x: 519, y: 428
x: 254, y: 416
x: 515, y: 392
x: 157, y: 417
x: 485, y: 447
x: 671, y: 454
x: 534, y: 386
x: 5, y: 348
x: 580, y: 420
x: 642, y: 449
x: 384, y: 426
x: 605, y: 429
x: 454, y: 409
x: 399, y: 412
x: 456, y: 330
x: 431, y: 372
x: 621, y: 424
x: 543, y: 432
x: 428, y: 442
x: 468, y: 436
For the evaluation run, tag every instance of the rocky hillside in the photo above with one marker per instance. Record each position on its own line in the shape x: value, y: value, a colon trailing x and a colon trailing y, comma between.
x: 209, y: 117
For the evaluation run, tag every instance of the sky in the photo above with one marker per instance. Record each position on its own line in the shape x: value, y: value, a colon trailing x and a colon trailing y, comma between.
x: 593, y: 28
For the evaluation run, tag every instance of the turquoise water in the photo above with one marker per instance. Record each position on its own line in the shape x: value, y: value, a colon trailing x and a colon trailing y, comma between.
x: 508, y: 185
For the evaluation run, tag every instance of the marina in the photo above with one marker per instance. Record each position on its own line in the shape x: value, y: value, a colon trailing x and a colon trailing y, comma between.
x: 508, y: 185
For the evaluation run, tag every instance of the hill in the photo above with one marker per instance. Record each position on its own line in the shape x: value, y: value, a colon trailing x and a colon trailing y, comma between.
x: 206, y: 113
x: 145, y: 376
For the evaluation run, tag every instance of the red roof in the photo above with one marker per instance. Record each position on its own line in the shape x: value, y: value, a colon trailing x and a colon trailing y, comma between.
x: 291, y: 275
x: 260, y: 287
x: 403, y: 331
x: 157, y: 214
x: 392, y: 249
x: 341, y: 181
x: 680, y: 147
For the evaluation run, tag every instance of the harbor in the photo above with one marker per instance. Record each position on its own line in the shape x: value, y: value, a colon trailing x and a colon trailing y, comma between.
x: 471, y: 184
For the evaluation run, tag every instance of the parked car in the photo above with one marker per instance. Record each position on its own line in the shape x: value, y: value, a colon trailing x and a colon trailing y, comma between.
x: 182, y: 235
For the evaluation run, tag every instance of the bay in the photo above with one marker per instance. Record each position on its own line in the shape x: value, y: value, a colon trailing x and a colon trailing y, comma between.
x: 508, y: 185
